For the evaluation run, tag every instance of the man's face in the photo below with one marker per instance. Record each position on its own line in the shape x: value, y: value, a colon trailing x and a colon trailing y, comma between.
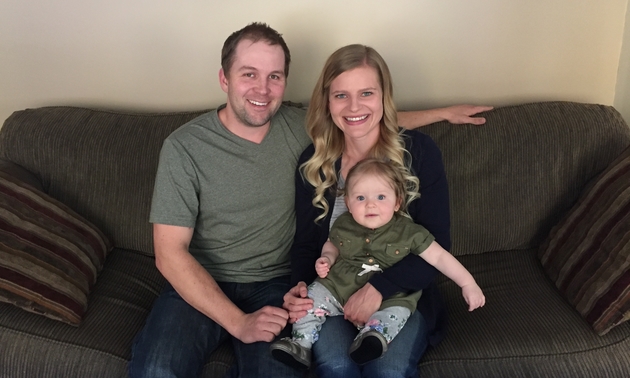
x: 255, y: 83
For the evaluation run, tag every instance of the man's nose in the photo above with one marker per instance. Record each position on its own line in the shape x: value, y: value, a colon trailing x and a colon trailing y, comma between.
x: 262, y: 85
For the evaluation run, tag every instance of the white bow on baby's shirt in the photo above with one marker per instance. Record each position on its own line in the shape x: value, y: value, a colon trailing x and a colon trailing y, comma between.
x: 369, y: 268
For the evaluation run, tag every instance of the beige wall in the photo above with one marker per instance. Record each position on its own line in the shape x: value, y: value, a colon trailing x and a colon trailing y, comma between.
x: 164, y: 54
x: 622, y: 93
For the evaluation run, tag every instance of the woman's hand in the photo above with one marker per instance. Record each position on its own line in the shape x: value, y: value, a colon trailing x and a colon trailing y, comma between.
x: 362, y: 304
x: 297, y: 302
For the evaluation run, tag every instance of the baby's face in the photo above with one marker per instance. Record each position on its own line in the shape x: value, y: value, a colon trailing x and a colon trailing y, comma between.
x: 371, y: 201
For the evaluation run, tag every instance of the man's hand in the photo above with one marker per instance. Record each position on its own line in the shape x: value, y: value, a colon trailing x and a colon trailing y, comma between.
x: 362, y: 304
x: 262, y: 325
x: 461, y: 114
x: 297, y: 302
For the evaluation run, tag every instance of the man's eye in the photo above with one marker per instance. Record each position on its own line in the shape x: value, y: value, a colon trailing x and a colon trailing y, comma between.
x: 381, y: 197
x: 275, y: 77
x: 249, y: 74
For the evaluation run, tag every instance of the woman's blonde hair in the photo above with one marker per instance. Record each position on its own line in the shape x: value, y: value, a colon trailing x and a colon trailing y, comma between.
x: 328, y: 139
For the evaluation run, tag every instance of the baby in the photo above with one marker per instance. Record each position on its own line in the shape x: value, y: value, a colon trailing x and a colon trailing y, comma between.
x: 373, y: 235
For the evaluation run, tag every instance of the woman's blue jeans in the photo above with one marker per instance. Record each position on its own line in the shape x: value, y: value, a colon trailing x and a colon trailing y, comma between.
x: 177, y: 340
x: 331, y: 358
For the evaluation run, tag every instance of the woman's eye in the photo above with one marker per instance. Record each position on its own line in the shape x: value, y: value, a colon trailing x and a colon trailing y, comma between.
x: 381, y: 197
x: 340, y: 95
x: 365, y: 94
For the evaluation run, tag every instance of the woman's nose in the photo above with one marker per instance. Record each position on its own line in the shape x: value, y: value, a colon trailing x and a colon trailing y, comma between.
x: 354, y: 103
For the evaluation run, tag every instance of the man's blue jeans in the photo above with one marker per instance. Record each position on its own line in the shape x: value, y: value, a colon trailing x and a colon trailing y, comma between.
x: 330, y: 352
x: 177, y: 340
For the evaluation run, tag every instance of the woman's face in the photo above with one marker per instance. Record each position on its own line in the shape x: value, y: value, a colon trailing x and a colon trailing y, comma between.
x: 355, y: 101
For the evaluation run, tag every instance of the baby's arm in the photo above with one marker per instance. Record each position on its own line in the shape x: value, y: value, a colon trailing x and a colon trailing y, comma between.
x: 327, y: 259
x: 453, y: 269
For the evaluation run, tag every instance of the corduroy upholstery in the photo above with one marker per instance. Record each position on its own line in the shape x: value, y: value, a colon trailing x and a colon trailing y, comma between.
x: 511, y: 181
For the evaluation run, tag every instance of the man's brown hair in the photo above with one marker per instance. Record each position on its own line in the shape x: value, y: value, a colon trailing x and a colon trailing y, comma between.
x: 256, y: 31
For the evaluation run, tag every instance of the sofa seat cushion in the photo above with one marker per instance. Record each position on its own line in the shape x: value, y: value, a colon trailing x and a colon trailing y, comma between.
x: 101, y: 345
x: 587, y: 255
x: 50, y: 256
x: 513, y: 334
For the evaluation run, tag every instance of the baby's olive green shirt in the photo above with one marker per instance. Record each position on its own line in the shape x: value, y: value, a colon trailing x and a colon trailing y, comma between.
x: 384, y: 246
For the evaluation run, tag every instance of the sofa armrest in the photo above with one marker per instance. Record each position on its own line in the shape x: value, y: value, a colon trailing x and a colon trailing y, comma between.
x: 21, y: 174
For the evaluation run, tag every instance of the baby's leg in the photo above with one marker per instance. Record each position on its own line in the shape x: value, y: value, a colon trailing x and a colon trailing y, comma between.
x: 380, y: 330
x: 296, y: 351
x: 388, y: 322
x: 306, y: 330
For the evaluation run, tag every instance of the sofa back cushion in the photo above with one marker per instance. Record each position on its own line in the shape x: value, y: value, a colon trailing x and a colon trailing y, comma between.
x: 512, y: 179
x: 101, y: 164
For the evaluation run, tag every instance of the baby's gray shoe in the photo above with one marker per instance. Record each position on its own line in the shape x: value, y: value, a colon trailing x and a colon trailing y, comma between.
x: 368, y: 346
x: 291, y: 353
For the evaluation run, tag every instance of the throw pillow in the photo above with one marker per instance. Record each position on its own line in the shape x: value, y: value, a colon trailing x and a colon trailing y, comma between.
x: 587, y: 255
x: 49, y: 255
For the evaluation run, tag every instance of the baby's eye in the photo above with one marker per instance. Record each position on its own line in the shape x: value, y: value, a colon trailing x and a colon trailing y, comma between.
x: 360, y: 198
x: 381, y: 197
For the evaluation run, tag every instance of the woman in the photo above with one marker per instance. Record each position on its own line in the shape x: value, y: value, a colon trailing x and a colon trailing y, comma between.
x: 351, y: 117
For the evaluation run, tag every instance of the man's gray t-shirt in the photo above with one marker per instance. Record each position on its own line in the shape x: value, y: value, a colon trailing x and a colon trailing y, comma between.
x: 236, y: 194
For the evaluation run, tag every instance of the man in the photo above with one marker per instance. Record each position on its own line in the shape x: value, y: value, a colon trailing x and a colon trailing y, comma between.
x: 224, y: 220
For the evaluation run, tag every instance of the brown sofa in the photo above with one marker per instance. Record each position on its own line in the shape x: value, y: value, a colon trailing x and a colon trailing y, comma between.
x: 510, y: 182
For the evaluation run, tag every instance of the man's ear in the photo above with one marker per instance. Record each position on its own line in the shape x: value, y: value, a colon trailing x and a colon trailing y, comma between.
x: 223, y: 80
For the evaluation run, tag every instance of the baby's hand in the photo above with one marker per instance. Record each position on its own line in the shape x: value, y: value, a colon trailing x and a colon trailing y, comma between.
x: 474, y: 296
x: 322, y: 266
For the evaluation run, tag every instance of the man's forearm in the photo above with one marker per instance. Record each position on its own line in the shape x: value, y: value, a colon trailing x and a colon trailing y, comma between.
x: 197, y: 287
x: 419, y: 118
x: 457, y: 114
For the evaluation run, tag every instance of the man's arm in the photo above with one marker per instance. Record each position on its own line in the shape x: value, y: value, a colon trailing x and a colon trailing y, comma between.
x: 197, y: 287
x: 458, y: 114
